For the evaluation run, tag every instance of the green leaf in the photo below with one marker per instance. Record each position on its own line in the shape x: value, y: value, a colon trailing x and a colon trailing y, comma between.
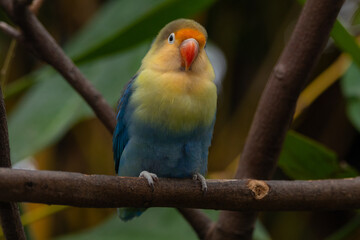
x: 155, y: 223
x: 350, y: 84
x: 260, y: 232
x: 303, y: 158
x: 345, y: 41
x: 356, y: 17
x: 302, y: 2
x: 122, y: 24
x: 51, y: 107
x: 38, y: 120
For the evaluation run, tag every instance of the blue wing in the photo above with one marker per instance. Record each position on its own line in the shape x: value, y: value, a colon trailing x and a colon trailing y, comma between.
x: 121, y: 137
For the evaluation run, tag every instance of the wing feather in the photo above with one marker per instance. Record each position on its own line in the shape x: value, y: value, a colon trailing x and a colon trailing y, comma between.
x: 121, y: 135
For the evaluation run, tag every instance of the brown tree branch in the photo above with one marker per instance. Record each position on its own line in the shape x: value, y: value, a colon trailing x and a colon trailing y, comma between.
x: 38, y: 40
x: 10, y: 31
x: 276, y: 107
x: 9, y: 212
x: 35, y: 6
x: 100, y: 191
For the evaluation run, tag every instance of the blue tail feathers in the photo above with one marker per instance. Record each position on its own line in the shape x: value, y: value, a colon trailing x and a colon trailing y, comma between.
x: 127, y: 214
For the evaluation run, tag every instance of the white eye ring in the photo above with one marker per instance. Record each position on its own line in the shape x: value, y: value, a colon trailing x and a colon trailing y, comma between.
x: 171, y: 38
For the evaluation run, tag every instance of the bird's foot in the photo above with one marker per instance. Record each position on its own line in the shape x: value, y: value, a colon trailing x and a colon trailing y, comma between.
x: 150, y: 177
x: 199, y: 177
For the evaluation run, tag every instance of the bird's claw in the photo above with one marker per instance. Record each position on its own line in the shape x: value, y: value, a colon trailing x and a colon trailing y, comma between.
x: 150, y: 178
x: 199, y: 177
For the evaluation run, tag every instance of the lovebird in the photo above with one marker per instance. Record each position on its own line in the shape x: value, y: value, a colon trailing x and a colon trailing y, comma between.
x: 166, y: 113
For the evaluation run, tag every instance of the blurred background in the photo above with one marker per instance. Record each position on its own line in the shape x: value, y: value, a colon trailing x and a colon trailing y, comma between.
x: 51, y: 127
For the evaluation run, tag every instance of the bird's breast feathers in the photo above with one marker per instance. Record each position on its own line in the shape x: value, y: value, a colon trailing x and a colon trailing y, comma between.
x: 177, y: 100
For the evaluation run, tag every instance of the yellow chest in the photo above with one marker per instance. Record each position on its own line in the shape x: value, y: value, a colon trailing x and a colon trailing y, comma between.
x: 178, y: 101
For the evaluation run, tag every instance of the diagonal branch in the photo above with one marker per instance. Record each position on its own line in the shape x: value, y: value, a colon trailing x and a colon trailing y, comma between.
x: 277, y: 104
x: 101, y: 191
x: 10, y: 31
x: 38, y: 40
x: 35, y: 6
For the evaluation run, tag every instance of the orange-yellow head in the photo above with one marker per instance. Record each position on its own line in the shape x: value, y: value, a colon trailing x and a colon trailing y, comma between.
x: 179, y: 46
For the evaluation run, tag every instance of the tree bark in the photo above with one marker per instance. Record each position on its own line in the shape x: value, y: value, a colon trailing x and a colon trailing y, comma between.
x: 9, y: 212
x: 277, y: 105
x: 101, y: 191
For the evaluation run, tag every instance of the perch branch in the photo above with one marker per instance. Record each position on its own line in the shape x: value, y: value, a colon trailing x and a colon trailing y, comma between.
x: 277, y: 104
x: 101, y: 191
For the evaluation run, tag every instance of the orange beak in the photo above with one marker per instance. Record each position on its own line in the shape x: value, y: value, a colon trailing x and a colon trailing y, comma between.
x: 189, y: 50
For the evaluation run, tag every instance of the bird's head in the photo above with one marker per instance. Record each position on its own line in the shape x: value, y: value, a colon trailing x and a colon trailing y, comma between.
x: 179, y: 46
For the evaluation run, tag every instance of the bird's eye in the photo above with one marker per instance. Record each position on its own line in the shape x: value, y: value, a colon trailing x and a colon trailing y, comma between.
x: 171, y: 38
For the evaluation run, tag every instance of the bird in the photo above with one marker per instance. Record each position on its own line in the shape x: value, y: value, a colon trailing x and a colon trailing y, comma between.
x: 166, y: 113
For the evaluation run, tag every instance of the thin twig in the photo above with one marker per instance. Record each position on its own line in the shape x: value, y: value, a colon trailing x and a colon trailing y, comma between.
x: 7, y: 63
x: 35, y: 6
x: 276, y: 107
x: 10, y: 31
x: 9, y: 212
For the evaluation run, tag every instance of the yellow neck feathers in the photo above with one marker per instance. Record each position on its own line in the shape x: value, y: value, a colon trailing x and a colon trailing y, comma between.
x: 177, y: 100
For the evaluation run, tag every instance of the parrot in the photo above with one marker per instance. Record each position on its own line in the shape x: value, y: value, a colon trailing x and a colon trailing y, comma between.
x: 166, y: 114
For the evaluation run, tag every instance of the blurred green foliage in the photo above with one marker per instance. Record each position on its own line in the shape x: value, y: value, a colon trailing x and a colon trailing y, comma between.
x: 155, y: 223
x: 356, y: 18
x: 351, y: 89
x: 52, y: 107
x: 346, y: 231
x: 303, y: 158
x: 109, y: 49
x: 345, y: 41
x: 135, y: 22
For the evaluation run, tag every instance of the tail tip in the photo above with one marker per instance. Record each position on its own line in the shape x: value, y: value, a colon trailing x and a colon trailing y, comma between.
x: 127, y: 214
